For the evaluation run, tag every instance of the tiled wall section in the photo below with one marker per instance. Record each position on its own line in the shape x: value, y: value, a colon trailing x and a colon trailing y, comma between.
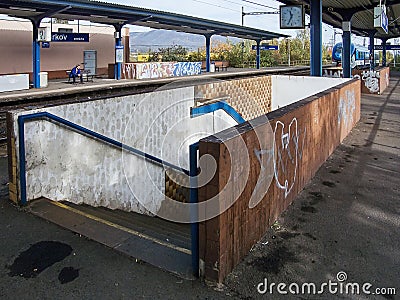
x: 284, y: 154
x: 250, y: 97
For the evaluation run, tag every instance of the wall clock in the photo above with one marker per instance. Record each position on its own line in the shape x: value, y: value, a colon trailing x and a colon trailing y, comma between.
x: 291, y: 16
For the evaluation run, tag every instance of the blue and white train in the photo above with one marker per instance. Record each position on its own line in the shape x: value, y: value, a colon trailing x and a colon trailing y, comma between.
x: 359, y: 55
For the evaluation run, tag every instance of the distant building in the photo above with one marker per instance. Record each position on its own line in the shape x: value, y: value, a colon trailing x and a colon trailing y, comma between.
x: 16, y: 47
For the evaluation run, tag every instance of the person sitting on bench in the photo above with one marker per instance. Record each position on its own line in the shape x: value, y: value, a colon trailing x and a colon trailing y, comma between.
x: 76, y: 72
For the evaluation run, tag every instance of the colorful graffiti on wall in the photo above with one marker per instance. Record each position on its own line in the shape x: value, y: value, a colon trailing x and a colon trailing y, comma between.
x: 154, y: 70
x: 160, y: 69
x: 187, y: 68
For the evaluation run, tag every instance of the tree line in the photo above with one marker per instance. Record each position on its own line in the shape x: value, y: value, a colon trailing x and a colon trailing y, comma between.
x: 240, y: 54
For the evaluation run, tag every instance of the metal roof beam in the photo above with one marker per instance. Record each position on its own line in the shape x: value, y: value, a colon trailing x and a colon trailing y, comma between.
x: 52, y: 12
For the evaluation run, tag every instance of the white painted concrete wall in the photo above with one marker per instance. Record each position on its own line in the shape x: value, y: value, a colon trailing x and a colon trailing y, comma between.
x: 14, y: 82
x: 289, y: 89
x: 64, y: 165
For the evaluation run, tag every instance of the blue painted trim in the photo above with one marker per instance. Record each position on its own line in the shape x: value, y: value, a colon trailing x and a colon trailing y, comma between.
x: 208, y: 108
x: 194, y: 226
x: 22, y: 166
x: 258, y: 54
x: 316, y: 37
x: 371, y: 51
x: 35, y: 56
x: 384, y: 53
x: 346, y: 55
x: 118, y: 66
x: 81, y: 130
x: 208, y: 55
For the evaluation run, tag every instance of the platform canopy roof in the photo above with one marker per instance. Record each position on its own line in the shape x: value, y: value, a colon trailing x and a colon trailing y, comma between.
x: 362, y: 12
x: 119, y: 15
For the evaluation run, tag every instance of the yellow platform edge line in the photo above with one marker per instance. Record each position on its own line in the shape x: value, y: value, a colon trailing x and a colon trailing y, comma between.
x: 131, y: 231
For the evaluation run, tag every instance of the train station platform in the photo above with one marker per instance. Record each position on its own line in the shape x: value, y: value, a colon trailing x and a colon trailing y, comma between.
x: 346, y: 219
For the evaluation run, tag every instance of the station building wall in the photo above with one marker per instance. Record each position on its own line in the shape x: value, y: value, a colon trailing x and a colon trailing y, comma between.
x: 16, y: 48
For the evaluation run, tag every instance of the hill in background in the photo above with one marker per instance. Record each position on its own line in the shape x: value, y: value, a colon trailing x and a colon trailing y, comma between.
x: 154, y: 39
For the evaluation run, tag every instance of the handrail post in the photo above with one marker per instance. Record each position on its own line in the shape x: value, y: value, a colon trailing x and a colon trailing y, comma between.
x: 22, y: 173
x: 194, y: 225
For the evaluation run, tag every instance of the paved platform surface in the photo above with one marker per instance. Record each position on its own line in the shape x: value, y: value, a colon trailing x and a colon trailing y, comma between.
x: 347, y: 219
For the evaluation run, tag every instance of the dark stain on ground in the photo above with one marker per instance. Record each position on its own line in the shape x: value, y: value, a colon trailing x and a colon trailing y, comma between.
x: 68, y: 274
x: 329, y: 183
x: 309, y: 235
x: 309, y: 209
x: 316, y: 197
x: 287, y: 235
x: 295, y: 227
x: 39, y: 257
x: 302, y: 220
x: 334, y: 172
x: 369, y: 123
x: 274, y: 261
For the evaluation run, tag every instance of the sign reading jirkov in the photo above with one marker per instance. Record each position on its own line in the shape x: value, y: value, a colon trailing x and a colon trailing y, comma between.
x: 388, y: 47
x: 265, y: 47
x: 69, y: 37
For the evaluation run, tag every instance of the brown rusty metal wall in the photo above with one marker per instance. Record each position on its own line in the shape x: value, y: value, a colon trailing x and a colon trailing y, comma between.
x: 316, y: 126
x: 373, y: 81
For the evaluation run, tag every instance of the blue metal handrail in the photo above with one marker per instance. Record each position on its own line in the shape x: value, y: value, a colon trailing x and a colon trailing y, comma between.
x: 83, y: 131
x: 194, y: 227
x: 208, y: 108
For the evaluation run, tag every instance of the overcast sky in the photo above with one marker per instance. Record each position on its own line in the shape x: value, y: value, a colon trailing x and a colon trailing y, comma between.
x: 226, y: 11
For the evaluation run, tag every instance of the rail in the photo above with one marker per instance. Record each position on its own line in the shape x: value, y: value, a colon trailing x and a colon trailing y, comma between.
x: 82, y: 130
x: 208, y: 108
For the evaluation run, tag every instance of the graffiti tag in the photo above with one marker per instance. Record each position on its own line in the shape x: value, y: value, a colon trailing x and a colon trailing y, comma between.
x: 371, y: 80
x: 347, y: 105
x: 280, y: 161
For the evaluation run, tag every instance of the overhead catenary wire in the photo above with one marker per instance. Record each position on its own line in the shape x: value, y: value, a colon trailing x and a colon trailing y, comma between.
x: 259, y: 4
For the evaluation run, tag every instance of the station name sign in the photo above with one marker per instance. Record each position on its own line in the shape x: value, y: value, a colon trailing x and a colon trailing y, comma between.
x: 388, y: 47
x: 69, y: 37
x: 265, y: 47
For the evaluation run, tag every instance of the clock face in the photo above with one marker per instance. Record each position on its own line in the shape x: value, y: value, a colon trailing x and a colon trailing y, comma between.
x: 291, y: 16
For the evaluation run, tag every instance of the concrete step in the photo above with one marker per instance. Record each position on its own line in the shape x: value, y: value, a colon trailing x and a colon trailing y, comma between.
x: 163, y: 244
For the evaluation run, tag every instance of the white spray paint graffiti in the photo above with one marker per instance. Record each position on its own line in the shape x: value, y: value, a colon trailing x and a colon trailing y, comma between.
x: 371, y: 80
x: 347, y: 105
x: 333, y: 73
x: 281, y: 161
x: 387, y: 78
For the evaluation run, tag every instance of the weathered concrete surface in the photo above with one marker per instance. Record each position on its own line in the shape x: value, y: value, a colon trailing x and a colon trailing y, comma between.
x: 346, y: 219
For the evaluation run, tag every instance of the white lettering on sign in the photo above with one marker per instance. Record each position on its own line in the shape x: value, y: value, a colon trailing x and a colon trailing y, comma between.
x: 59, y: 37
